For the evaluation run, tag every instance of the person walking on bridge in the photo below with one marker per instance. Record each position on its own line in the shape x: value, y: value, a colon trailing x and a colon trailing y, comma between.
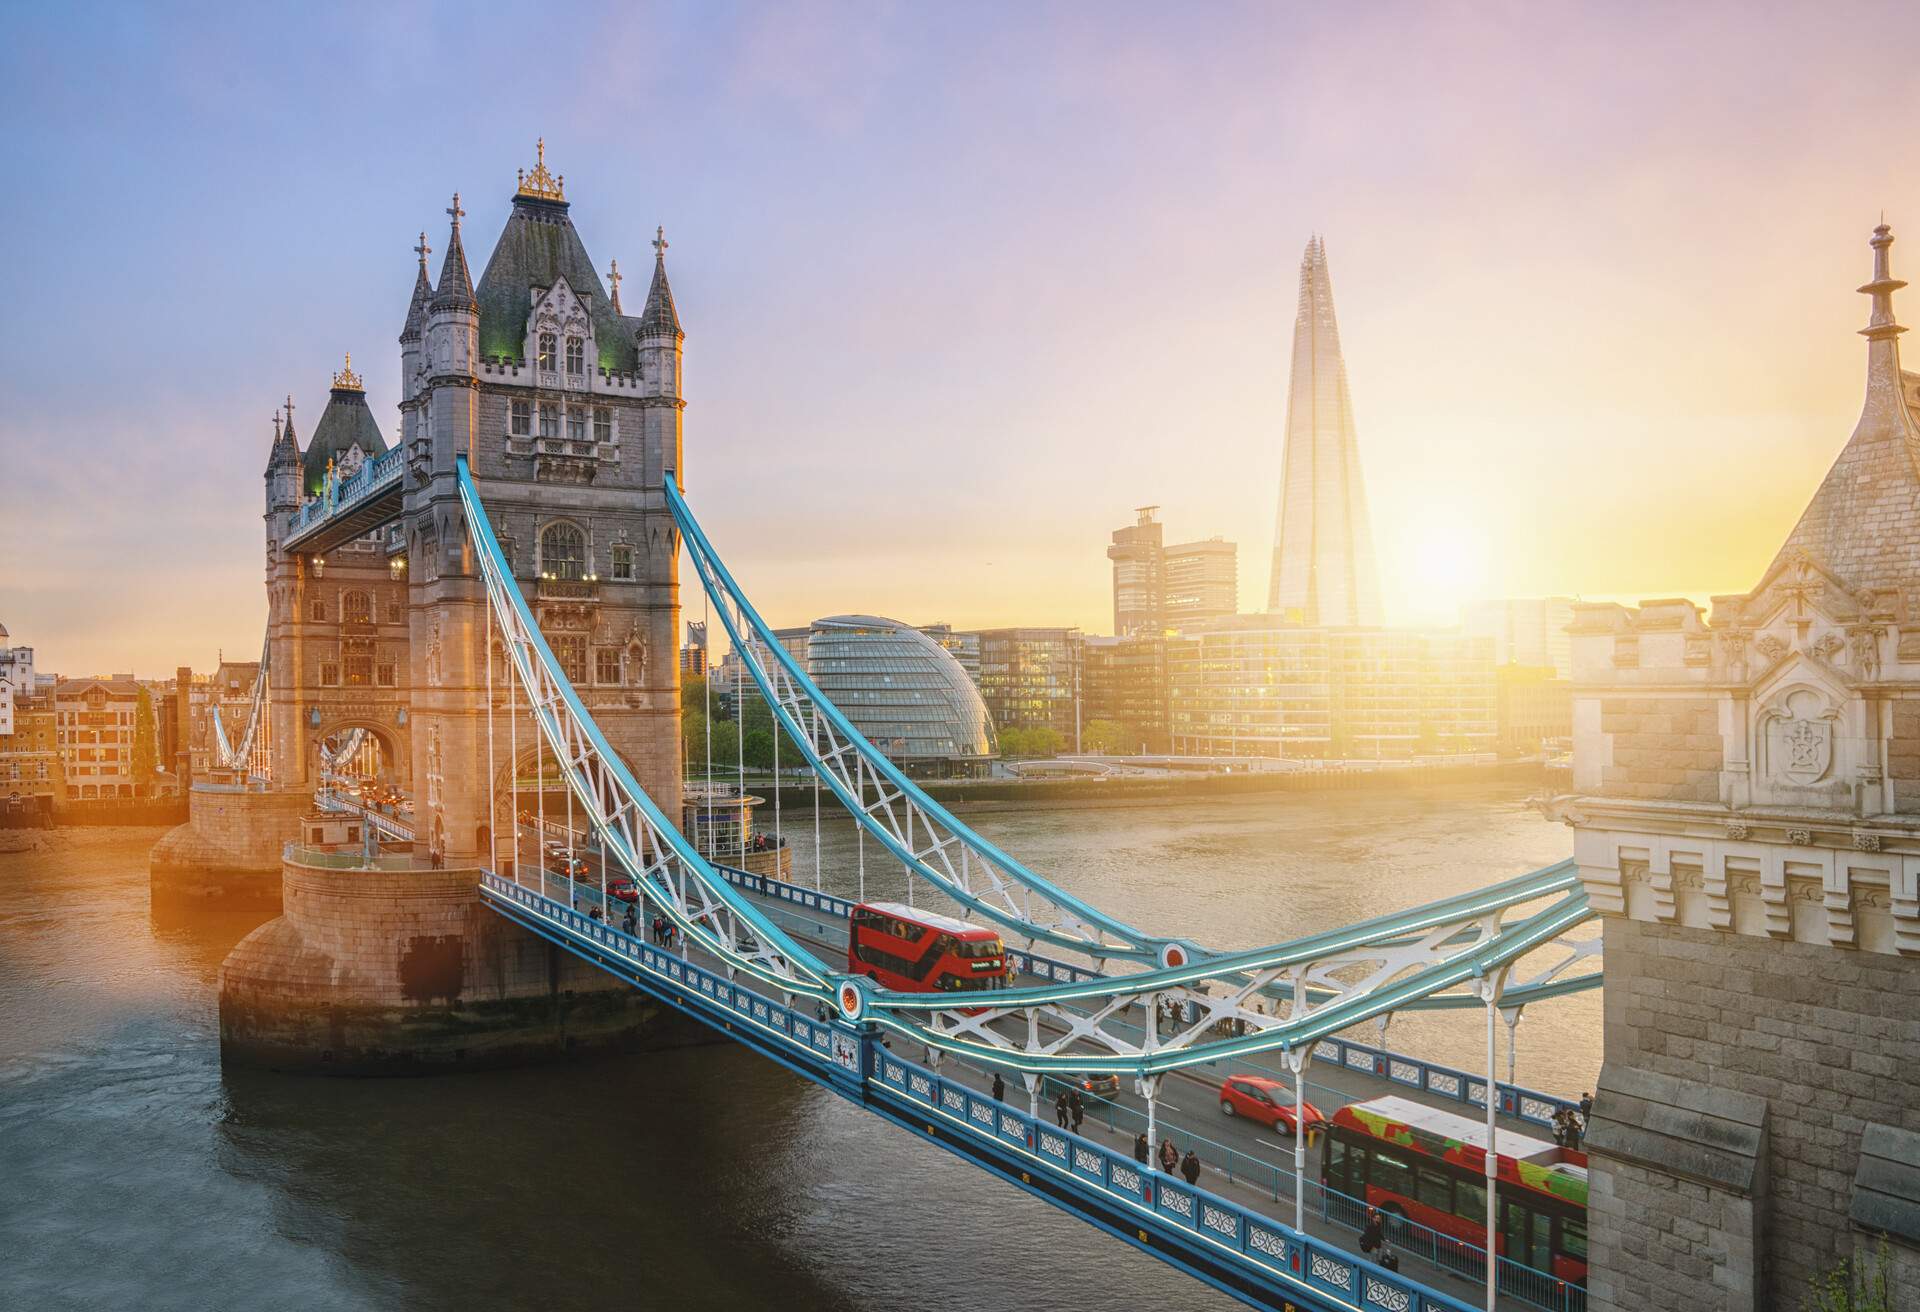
x: 999, y: 1088
x: 1078, y: 1107
x: 1140, y: 1152
x: 1061, y: 1113
x: 1169, y: 1157
x: 1190, y: 1166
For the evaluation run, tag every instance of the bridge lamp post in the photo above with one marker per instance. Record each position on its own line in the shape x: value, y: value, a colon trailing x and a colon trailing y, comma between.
x: 1297, y: 1063
x: 1490, y: 987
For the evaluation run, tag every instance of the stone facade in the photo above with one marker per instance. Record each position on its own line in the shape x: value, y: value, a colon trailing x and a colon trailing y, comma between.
x: 1747, y: 819
x: 229, y: 851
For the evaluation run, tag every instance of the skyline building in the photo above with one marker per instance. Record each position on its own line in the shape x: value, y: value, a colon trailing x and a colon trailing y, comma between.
x: 904, y: 691
x: 1157, y: 587
x: 1324, y: 570
x: 1525, y: 630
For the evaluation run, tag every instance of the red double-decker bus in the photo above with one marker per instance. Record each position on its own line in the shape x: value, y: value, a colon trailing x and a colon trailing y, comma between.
x: 914, y: 951
x: 1429, y: 1166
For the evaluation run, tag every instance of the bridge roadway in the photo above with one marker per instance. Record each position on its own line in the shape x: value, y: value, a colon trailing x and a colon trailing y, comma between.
x: 1245, y: 1163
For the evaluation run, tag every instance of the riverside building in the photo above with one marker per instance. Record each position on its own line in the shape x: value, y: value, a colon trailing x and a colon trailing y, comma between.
x: 904, y: 692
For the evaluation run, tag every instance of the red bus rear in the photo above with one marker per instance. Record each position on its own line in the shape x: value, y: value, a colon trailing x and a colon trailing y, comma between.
x: 913, y: 951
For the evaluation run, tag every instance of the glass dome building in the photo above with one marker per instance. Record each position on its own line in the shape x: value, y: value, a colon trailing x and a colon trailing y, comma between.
x: 904, y: 691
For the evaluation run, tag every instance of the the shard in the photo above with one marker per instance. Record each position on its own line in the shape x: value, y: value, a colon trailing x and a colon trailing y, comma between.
x: 1324, y: 572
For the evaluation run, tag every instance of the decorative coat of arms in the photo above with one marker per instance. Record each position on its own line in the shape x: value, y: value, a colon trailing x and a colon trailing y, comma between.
x: 1800, y: 738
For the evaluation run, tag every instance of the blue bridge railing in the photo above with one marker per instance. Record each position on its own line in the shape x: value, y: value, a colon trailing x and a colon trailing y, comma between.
x: 342, y: 494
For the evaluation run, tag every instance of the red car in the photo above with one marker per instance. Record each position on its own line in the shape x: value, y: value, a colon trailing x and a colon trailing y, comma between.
x: 1260, y: 1099
x: 619, y: 886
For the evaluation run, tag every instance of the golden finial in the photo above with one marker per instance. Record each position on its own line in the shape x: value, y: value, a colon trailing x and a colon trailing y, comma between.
x: 540, y: 184
x: 347, y: 380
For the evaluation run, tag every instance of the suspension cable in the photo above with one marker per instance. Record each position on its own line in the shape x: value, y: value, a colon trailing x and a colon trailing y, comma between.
x: 493, y: 813
x: 740, y: 749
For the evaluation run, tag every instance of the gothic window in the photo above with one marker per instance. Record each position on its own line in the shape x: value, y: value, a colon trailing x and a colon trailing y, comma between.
x: 318, y: 611
x: 549, y: 421
x: 563, y: 551
x: 522, y: 419
x: 546, y: 351
x: 622, y: 562
x: 387, y: 675
x: 576, y: 424
x: 571, y: 651
x: 359, y: 669
x: 393, y: 612
x: 606, y: 665
x: 576, y: 356
x: 602, y: 424
x: 329, y: 675
x: 356, y: 608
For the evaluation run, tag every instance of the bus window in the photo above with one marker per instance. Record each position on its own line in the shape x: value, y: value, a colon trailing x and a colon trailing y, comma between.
x: 1573, y: 1238
x: 1528, y: 1236
x: 1436, y: 1190
x: 1392, y: 1173
x: 1335, y: 1166
x: 1470, y: 1202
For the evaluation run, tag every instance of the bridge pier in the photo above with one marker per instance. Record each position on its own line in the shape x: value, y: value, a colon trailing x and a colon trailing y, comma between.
x: 228, y: 852
x: 404, y: 972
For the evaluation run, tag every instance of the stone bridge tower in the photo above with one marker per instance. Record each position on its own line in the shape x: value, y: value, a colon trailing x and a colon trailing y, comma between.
x: 568, y: 411
x: 1747, y: 820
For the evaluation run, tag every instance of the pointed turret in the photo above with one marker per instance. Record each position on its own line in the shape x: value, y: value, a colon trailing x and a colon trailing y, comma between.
x: 422, y: 295
x: 660, y: 319
x: 283, y: 467
x: 1324, y: 571
x: 1861, y: 525
x: 455, y: 288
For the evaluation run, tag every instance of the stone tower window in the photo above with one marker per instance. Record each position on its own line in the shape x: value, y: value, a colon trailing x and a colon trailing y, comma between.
x: 549, y: 421
x: 576, y: 356
x: 622, y: 562
x: 318, y: 611
x: 523, y: 419
x: 606, y: 665
x: 356, y: 608
x: 547, y: 344
x: 576, y: 424
x: 571, y: 650
x: 563, y: 551
x: 602, y: 425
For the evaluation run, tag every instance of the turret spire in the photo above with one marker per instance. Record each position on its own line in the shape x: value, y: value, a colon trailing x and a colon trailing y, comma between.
x: 613, y: 281
x: 1880, y: 324
x: 422, y: 295
x: 660, y: 319
x: 456, y: 284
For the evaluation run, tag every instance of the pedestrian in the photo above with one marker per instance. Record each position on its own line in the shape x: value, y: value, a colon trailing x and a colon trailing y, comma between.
x: 1190, y: 1167
x: 1169, y: 1156
x: 1078, y: 1107
x: 1586, y: 1106
x: 594, y: 911
x: 1060, y: 1110
x: 1374, y: 1233
x: 1574, y: 1129
x: 999, y: 1088
x: 1140, y: 1153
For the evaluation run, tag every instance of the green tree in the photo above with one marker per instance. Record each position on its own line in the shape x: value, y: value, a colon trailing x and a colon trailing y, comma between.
x: 726, y: 746
x: 145, y: 743
x: 1031, y: 740
x: 759, y: 749
x: 1854, y: 1287
x: 1106, y: 737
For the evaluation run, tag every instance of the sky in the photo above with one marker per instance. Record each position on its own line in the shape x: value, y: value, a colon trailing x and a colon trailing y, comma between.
x: 964, y: 284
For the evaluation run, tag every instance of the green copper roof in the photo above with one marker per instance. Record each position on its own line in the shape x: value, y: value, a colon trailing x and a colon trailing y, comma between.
x: 538, y: 247
x: 345, y: 423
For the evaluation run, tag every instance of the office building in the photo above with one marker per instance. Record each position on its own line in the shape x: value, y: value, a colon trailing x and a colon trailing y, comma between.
x: 904, y: 692
x: 1324, y: 571
x: 1157, y: 587
x: 1030, y: 678
x: 1526, y: 630
x: 1202, y: 582
x: 1124, y: 681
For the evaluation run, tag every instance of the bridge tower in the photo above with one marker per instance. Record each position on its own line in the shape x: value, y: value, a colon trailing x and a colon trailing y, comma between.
x: 568, y: 412
x: 1747, y: 820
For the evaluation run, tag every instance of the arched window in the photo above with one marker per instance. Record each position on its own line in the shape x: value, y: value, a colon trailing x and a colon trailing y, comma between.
x: 546, y: 352
x: 563, y: 551
x: 576, y: 356
x: 356, y: 608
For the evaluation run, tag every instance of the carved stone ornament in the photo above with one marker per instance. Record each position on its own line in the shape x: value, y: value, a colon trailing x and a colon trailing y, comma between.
x: 1804, y: 837
x: 1827, y: 645
x: 1866, y: 651
x: 1800, y: 738
x: 1737, y: 831
x: 1770, y: 646
x: 1866, y: 842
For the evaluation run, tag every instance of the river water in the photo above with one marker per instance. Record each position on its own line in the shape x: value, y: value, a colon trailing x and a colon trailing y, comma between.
x: 135, y: 1172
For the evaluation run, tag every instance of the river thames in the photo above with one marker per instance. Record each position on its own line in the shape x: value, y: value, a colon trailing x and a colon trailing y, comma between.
x: 138, y: 1173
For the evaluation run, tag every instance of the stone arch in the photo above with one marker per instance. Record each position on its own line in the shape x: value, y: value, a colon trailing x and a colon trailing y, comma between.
x: 395, y: 755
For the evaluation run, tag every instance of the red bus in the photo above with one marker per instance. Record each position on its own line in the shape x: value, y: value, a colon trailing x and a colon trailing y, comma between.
x: 914, y: 951
x: 1429, y: 1166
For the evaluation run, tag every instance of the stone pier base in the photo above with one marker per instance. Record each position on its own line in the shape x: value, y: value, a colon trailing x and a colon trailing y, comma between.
x: 399, y: 972
x: 228, y: 852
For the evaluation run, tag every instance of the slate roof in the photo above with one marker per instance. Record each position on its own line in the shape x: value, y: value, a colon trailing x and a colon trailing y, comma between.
x: 660, y: 319
x: 537, y: 248
x: 417, y: 307
x: 456, y: 283
x: 345, y: 421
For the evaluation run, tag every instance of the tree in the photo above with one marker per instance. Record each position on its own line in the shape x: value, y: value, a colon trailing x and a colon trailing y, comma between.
x: 1031, y: 740
x: 1854, y: 1287
x: 145, y: 750
x: 726, y: 746
x: 759, y: 749
x: 1105, y: 737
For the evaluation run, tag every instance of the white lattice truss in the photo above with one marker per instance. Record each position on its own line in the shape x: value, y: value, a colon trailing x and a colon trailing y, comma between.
x: 239, y: 756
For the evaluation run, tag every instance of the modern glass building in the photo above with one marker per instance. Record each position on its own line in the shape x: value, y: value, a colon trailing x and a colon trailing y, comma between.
x: 904, y: 691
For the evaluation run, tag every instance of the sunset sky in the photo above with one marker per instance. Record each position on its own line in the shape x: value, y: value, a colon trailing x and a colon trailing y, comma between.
x: 962, y: 285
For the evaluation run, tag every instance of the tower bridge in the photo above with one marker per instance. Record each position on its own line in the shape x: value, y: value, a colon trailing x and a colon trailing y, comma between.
x: 495, y: 597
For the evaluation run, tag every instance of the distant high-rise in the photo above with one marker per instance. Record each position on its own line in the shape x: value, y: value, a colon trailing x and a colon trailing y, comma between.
x: 1202, y: 581
x: 1157, y: 587
x: 1323, y: 565
x: 1139, y: 577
